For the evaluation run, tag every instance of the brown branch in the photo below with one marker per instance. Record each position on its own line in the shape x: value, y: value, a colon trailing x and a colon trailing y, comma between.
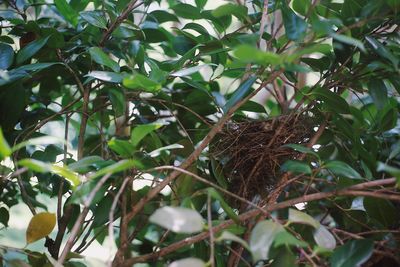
x: 195, y: 154
x: 81, y: 218
x: 350, y: 191
x: 131, y: 6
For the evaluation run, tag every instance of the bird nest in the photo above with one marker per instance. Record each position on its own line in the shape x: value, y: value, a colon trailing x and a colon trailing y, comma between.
x: 252, y: 152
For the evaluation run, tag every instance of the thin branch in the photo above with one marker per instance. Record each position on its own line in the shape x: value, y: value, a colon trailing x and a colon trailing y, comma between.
x: 253, y: 213
x: 81, y: 218
x: 212, y: 240
x: 131, y: 6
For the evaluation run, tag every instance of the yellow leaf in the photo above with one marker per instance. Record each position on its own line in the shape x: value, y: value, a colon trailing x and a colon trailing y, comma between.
x: 40, y: 226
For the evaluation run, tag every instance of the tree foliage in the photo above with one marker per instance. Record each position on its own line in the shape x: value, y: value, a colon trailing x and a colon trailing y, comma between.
x: 190, y: 132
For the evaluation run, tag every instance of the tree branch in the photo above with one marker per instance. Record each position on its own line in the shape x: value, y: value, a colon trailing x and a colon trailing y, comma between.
x: 350, y: 191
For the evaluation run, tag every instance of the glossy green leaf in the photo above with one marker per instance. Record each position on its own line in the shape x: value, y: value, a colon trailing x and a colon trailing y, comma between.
x: 140, y: 132
x: 84, y: 164
x: 102, y: 58
x: 251, y: 54
x: 348, y: 40
x: 178, y: 219
x: 295, y: 27
x: 117, y: 167
x: 187, y: 71
x: 67, y: 11
x: 5, y: 149
x: 378, y: 91
x: 296, y: 167
x: 342, y: 169
x: 324, y: 238
x: 226, y: 235
x: 239, y: 11
x: 31, y: 49
x: 240, y: 93
x: 285, y: 238
x: 334, y: 101
x: 141, y: 82
x: 261, y: 238
x: 6, y: 56
x: 106, y: 76
x: 122, y: 147
x: 228, y: 210
x: 301, y: 6
x: 4, y: 216
x: 382, y: 51
x: 43, y: 167
x: 95, y: 18
x: 218, y: 173
x: 200, y: 3
x: 284, y: 258
x: 302, y: 149
x: 186, y: 11
x: 353, y: 253
x: 296, y: 216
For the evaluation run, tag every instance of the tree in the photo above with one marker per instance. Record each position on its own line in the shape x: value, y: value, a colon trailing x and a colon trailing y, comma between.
x: 268, y: 131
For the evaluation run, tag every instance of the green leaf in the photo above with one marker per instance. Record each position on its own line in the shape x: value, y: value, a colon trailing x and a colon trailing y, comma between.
x: 250, y: 54
x: 82, y: 166
x: 240, y: 93
x: 141, y: 82
x: 301, y: 6
x: 188, y: 71
x: 348, y: 40
x: 95, y: 18
x: 140, y: 132
x: 239, y: 11
x: 382, y: 50
x: 43, y: 140
x: 178, y: 219
x: 324, y: 238
x: 157, y: 152
x: 382, y: 211
x: 284, y: 258
x: 217, y: 171
x: 118, y: 167
x: 106, y: 76
x: 123, y: 148
x: 378, y: 91
x: 201, y: 3
x: 261, y: 238
x: 31, y: 49
x: 43, y: 167
x: 103, y: 59
x: 5, y: 149
x: 4, y: 216
x: 296, y: 167
x: 67, y: 12
x: 192, y: 262
x: 353, y: 253
x: 6, y: 56
x: 295, y: 27
x: 287, y: 239
x: 186, y: 11
x: 229, y: 211
x: 226, y: 235
x: 296, y: 216
x: 118, y: 101
x: 302, y: 149
x: 334, y: 101
x: 382, y: 167
x: 342, y: 169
